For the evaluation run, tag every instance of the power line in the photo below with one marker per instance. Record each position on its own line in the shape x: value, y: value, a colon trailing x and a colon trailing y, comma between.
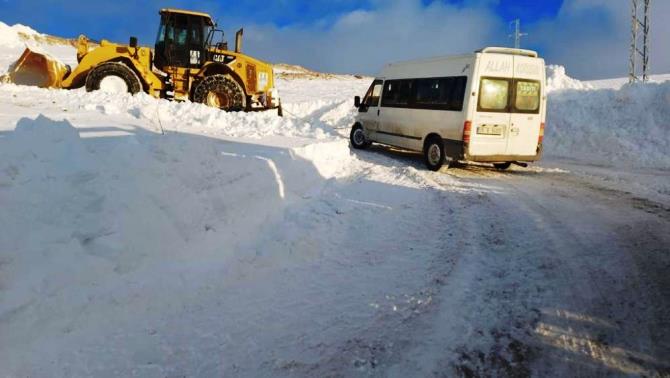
x: 639, y: 37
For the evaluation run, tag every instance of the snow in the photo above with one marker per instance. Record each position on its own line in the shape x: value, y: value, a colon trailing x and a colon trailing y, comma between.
x: 142, y: 237
x: 139, y: 239
x: 14, y: 39
x: 629, y: 126
x: 558, y: 80
x: 620, y: 82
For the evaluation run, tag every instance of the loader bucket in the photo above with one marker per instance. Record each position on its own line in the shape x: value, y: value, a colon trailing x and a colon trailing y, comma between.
x: 38, y: 69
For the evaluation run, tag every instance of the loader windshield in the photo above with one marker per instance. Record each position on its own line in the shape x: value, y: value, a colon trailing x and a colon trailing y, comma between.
x: 181, y: 40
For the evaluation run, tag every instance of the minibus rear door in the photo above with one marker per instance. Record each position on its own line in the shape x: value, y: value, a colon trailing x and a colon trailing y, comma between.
x: 490, y: 125
x: 526, y: 107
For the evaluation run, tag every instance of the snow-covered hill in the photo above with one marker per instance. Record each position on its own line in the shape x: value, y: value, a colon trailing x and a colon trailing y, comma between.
x: 14, y: 39
x: 142, y: 237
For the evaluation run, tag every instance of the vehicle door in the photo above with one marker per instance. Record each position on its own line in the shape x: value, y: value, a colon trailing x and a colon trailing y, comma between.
x: 196, y: 42
x: 398, y: 124
x: 368, y: 112
x: 526, y: 106
x: 490, y: 122
x: 176, y: 41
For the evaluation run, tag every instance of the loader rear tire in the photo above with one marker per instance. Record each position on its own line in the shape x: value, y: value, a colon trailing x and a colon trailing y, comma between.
x: 113, y: 70
x: 221, y: 91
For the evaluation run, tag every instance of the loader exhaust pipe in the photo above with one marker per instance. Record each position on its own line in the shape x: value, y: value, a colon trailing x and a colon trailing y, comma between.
x: 238, y: 40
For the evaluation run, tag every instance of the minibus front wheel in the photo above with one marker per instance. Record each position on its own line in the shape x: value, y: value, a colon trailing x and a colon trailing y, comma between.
x: 358, y: 139
x: 433, y: 153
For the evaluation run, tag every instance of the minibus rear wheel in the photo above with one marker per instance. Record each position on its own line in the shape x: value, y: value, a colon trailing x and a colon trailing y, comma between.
x: 358, y: 138
x: 433, y: 153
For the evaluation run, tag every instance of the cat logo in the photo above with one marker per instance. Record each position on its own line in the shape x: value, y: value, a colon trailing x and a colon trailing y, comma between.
x: 218, y: 58
x: 195, y: 57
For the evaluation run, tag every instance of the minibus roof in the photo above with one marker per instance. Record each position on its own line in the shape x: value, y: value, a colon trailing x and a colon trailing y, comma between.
x: 485, y: 50
x: 507, y: 50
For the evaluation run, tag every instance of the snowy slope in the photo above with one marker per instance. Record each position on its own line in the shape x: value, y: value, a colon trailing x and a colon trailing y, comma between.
x: 14, y: 40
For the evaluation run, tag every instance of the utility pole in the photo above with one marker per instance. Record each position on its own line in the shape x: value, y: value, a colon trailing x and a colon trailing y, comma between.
x: 517, y: 33
x: 639, y: 38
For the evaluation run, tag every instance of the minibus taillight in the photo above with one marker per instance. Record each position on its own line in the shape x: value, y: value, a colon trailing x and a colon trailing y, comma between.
x: 467, y: 127
x: 541, y: 137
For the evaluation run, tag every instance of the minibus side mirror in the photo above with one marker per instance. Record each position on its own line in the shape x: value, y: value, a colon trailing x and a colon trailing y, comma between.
x: 357, y: 101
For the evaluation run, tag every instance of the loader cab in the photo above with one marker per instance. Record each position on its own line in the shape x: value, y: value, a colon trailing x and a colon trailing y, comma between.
x: 182, y: 39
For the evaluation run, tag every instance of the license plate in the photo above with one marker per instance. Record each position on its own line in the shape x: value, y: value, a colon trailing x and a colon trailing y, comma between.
x: 490, y: 129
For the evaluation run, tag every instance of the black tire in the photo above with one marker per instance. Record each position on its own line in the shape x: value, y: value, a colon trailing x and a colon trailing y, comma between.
x: 502, y: 166
x: 104, y: 70
x: 358, y: 139
x: 221, y: 91
x: 433, y: 153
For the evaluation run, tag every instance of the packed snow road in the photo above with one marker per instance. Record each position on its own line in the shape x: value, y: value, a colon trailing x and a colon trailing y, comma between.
x: 559, y: 275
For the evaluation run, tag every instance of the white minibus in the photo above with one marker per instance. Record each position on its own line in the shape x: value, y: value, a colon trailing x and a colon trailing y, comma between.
x: 489, y: 106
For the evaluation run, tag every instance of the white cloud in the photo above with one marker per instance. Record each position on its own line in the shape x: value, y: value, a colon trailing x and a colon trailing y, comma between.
x: 363, y: 41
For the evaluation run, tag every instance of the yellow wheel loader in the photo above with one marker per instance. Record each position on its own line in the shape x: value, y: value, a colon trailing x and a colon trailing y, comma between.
x: 185, y: 64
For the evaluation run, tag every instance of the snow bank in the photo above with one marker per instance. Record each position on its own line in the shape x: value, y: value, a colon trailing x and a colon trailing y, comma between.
x: 10, y: 37
x: 557, y: 80
x: 316, y: 119
x: 629, y: 126
x: 617, y: 83
x: 14, y: 39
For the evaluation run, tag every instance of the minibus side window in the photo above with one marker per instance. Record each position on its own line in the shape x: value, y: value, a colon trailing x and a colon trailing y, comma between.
x: 371, y: 96
x: 373, y: 100
x: 442, y: 93
x: 527, y: 96
x: 397, y: 93
x: 431, y: 92
x: 494, y: 95
x: 457, y: 95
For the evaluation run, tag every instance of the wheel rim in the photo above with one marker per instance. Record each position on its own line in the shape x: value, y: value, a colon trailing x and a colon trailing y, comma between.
x: 434, y: 154
x: 218, y: 100
x: 359, y: 137
x: 113, y: 84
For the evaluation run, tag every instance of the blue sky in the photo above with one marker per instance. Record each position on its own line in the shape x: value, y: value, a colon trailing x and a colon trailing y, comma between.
x: 589, y: 37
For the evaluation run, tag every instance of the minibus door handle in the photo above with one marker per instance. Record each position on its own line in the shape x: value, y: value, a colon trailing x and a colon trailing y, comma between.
x: 378, y: 112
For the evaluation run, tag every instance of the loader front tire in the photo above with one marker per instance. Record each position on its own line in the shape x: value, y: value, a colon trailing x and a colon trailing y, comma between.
x: 120, y: 76
x: 221, y: 91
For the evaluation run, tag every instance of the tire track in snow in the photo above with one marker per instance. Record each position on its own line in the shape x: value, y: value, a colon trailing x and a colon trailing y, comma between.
x: 551, y: 305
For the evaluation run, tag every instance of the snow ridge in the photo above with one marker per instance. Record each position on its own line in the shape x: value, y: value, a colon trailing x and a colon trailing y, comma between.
x: 627, y: 126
